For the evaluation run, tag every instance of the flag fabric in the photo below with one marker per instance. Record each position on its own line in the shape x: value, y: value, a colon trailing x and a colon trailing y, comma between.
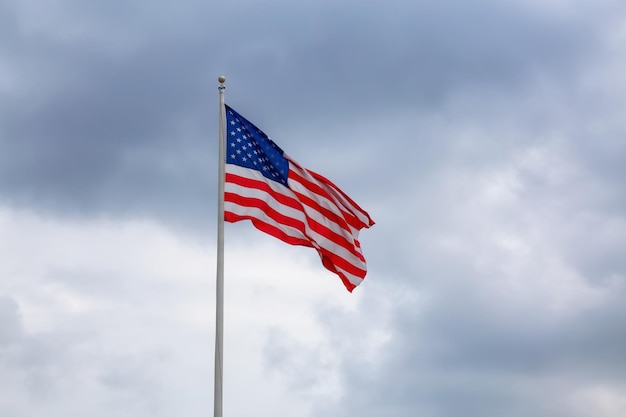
x: 266, y: 186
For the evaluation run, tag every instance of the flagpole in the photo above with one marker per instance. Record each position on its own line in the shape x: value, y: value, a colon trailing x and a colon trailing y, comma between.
x: 219, y: 281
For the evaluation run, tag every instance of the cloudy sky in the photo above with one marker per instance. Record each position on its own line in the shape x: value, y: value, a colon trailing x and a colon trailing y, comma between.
x: 486, y: 138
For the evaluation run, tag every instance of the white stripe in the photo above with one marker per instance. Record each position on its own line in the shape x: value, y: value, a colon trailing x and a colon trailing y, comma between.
x: 356, y: 211
x: 350, y: 233
x: 264, y: 196
x: 258, y: 214
x: 297, y: 186
x: 332, y: 205
x: 317, y: 239
x: 254, y: 174
x: 338, y: 195
x: 320, y: 240
x: 352, y: 278
x: 296, y: 233
x: 303, y: 189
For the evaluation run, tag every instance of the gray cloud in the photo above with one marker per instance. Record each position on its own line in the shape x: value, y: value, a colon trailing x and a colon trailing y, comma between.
x: 113, y: 116
x: 460, y: 357
x: 484, y: 138
x: 10, y: 326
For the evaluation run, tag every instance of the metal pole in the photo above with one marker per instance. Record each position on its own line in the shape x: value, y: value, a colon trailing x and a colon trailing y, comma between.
x: 219, y: 282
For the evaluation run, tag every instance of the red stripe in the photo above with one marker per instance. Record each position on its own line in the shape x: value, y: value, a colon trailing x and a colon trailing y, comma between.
x: 348, y: 217
x: 278, y: 233
x: 342, y: 263
x: 315, y: 226
x: 329, y: 265
x: 263, y: 186
x: 265, y: 208
x: 329, y: 183
x: 325, y: 212
x: 335, y: 237
x: 288, y: 221
x: 267, y: 228
x: 301, y: 203
x: 320, y: 229
x: 329, y: 260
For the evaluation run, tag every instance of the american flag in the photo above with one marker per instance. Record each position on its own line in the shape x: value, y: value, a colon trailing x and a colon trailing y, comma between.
x: 296, y: 205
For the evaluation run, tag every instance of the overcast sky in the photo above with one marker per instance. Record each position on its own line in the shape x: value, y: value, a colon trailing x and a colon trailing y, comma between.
x: 486, y: 138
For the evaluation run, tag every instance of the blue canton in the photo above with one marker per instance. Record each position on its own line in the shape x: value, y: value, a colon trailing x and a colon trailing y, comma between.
x: 249, y: 147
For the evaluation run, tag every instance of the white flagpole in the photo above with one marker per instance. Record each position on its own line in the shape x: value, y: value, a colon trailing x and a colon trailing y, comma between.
x: 219, y: 282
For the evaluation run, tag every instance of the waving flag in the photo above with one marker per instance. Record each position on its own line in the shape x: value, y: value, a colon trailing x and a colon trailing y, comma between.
x: 296, y: 205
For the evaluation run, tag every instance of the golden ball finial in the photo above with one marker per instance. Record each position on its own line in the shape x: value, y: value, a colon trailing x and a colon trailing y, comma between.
x: 221, y: 79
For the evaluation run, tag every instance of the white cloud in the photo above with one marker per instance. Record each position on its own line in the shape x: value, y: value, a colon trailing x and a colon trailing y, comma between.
x: 118, y: 316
